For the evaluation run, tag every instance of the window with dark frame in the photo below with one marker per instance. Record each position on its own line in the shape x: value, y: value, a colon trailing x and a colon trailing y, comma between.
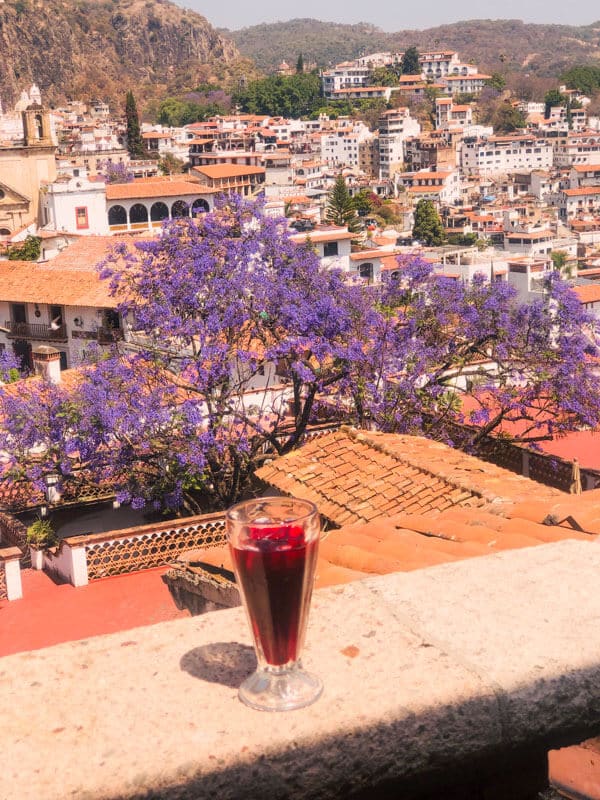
x: 81, y: 217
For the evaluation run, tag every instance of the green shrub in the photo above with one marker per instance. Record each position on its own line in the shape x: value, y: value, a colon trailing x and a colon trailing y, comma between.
x: 41, y: 534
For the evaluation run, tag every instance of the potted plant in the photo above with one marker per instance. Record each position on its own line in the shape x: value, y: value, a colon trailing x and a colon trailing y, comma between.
x: 40, y: 536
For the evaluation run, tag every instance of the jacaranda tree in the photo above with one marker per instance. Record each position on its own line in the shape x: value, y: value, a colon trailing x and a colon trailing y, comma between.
x: 237, y: 340
x: 444, y: 351
x: 213, y: 306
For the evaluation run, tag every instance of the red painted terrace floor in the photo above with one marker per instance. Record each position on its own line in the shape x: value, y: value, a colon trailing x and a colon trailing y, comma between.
x: 51, y: 613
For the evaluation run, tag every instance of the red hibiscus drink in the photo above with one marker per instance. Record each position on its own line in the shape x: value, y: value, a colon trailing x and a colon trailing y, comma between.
x: 274, y: 543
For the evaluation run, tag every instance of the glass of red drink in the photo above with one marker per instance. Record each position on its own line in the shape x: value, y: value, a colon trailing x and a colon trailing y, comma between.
x: 274, y: 543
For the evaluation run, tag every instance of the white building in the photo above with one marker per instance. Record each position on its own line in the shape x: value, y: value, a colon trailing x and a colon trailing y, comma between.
x: 343, y: 147
x: 395, y: 127
x: 145, y: 205
x: 501, y: 154
x: 449, y: 114
x: 61, y: 302
x: 465, y: 84
x: 76, y: 205
x: 576, y: 148
x: 584, y: 175
x: 579, y: 203
x: 443, y: 187
x: 348, y: 74
x: 331, y: 243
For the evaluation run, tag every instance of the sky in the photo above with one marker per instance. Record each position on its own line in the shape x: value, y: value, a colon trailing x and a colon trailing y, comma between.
x: 394, y: 16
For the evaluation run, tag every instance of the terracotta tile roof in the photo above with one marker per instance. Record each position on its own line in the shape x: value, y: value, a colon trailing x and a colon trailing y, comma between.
x: 588, y: 293
x: 228, y: 170
x: 69, y: 279
x: 586, y: 167
x: 87, y: 251
x: 145, y: 189
x: 356, y: 476
x: 581, y: 192
x: 22, y: 282
x: 323, y: 236
x: 405, y: 542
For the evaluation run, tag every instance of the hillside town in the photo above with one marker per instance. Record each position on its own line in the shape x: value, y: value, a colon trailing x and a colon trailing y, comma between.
x: 423, y: 369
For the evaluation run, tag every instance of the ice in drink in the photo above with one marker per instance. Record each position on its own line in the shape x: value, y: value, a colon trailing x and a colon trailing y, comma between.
x: 275, y: 568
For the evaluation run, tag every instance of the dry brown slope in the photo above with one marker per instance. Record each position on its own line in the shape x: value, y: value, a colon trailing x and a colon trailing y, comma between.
x: 84, y: 48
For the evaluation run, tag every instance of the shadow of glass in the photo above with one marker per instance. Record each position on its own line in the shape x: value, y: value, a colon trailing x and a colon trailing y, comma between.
x: 228, y: 663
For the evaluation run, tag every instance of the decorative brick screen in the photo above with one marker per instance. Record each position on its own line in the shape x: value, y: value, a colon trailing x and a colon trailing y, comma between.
x: 14, y: 533
x: 3, y: 591
x: 151, y: 547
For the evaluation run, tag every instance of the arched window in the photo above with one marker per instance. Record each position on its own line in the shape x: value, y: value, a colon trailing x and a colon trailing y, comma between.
x: 4, y: 232
x: 180, y: 209
x: 39, y: 128
x: 159, y: 211
x: 366, y: 271
x: 117, y: 215
x: 138, y: 213
x: 199, y: 206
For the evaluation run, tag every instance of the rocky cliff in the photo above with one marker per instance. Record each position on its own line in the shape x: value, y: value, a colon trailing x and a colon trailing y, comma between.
x: 100, y: 48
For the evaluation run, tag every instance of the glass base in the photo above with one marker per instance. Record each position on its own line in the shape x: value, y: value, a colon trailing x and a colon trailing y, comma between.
x: 280, y: 688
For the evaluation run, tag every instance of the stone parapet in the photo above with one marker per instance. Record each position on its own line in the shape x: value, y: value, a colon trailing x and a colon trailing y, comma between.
x: 438, y: 683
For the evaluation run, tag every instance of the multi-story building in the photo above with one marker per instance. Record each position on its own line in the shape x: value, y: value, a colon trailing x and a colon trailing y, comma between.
x: 62, y: 302
x: 465, y: 84
x: 368, y: 156
x: 500, y: 154
x: 576, y: 148
x: 364, y: 93
x: 346, y: 75
x: 434, y: 151
x: 238, y: 178
x: 579, y: 203
x: 343, y: 146
x: 451, y: 115
x: 441, y: 187
x: 395, y: 126
x: 584, y: 175
x: 440, y: 63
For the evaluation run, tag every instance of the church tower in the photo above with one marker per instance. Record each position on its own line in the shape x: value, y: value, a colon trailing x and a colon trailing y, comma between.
x: 36, y: 126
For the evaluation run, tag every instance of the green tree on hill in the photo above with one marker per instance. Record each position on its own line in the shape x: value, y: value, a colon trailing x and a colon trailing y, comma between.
x: 410, y: 62
x: 428, y: 226
x: 281, y: 95
x: 340, y: 207
x: 135, y: 143
x: 586, y: 78
x: 507, y: 118
x: 552, y: 99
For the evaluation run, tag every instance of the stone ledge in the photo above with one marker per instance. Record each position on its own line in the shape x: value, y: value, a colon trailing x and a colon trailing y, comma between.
x: 10, y: 553
x: 460, y: 670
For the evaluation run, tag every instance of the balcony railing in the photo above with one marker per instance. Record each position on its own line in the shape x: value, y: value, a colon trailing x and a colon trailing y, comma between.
x: 109, y: 335
x: 36, y: 330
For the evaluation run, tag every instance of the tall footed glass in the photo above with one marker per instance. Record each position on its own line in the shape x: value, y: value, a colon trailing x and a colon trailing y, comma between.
x: 274, y: 543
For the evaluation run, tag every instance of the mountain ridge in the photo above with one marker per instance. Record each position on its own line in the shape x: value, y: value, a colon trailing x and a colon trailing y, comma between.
x: 546, y: 50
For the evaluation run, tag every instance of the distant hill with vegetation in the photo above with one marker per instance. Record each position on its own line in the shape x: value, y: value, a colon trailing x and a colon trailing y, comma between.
x: 507, y: 46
